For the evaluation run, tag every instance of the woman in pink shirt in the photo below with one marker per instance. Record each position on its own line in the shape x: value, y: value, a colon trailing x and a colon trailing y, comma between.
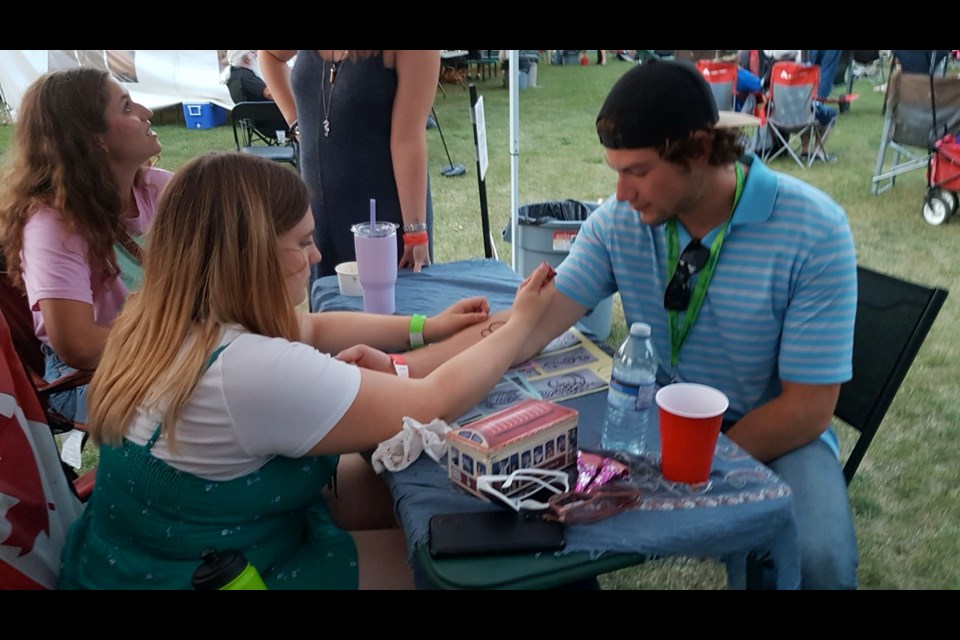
x: 77, y: 188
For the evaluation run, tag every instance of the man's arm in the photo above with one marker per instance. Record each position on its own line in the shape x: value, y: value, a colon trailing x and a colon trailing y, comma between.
x: 252, y: 85
x: 793, y: 419
x: 562, y: 314
x: 822, y: 310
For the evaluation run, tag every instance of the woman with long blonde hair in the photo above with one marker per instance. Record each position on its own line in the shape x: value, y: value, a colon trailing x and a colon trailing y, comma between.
x: 221, y: 414
x: 76, y: 197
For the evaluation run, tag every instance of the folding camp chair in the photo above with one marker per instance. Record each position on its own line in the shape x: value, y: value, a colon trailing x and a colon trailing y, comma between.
x: 249, y: 138
x: 791, y: 113
x: 453, y: 67
x: 15, y: 309
x: 893, y: 319
x: 646, y: 55
x: 722, y: 78
x: 908, y: 125
x: 484, y: 62
x: 40, y: 501
x: 868, y: 64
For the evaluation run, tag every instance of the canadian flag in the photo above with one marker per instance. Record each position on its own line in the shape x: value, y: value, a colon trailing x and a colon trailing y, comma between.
x: 37, y: 503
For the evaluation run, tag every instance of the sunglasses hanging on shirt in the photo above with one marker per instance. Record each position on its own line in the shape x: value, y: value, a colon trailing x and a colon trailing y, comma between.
x: 696, y: 258
x: 677, y: 295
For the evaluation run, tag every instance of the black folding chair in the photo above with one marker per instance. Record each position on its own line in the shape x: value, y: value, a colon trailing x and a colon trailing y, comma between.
x: 251, y: 136
x: 893, y: 319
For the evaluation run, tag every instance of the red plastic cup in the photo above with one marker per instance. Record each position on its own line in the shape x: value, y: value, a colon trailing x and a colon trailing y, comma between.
x: 690, y: 419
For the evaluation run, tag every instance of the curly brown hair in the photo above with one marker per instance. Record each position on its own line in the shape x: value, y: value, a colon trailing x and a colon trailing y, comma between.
x: 725, y: 148
x: 57, y: 161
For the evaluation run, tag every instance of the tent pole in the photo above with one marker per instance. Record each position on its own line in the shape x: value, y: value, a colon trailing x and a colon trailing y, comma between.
x: 514, y: 71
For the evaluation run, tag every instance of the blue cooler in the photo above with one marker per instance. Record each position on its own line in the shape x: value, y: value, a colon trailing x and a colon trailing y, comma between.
x: 203, y: 115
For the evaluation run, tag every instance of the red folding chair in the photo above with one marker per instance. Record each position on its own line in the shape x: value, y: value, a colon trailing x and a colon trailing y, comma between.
x: 722, y: 78
x: 15, y: 309
x: 39, y: 501
x: 791, y: 113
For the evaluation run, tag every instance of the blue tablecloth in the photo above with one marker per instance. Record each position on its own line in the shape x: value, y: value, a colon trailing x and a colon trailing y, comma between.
x: 433, y: 289
x: 743, y: 508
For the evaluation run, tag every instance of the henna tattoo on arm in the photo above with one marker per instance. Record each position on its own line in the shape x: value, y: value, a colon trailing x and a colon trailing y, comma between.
x: 493, y: 326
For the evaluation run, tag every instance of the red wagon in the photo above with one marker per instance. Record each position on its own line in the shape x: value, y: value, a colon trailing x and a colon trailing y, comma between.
x: 943, y: 174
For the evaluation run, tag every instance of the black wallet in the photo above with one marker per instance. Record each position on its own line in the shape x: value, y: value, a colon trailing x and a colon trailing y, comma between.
x: 492, y: 532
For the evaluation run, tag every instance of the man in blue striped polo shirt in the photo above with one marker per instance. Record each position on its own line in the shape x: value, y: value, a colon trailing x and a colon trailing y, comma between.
x: 774, y: 261
x: 747, y: 278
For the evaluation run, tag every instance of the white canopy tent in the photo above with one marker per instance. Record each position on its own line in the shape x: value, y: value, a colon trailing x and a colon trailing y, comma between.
x: 161, y: 78
x: 156, y: 78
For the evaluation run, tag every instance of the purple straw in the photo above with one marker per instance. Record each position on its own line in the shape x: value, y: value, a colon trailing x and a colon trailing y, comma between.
x: 373, y: 217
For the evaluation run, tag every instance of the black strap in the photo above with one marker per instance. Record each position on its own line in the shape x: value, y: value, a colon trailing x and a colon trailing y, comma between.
x: 128, y: 243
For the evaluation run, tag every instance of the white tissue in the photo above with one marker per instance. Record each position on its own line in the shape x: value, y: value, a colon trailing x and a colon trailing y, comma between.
x: 401, y: 450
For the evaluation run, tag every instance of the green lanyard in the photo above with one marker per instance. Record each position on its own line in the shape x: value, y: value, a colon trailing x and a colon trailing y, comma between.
x: 678, y: 336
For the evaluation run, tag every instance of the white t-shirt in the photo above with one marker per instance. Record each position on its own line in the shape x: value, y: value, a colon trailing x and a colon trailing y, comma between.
x: 783, y: 54
x: 261, y: 398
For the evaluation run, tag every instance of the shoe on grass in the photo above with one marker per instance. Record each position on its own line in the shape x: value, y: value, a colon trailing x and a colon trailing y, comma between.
x: 821, y: 156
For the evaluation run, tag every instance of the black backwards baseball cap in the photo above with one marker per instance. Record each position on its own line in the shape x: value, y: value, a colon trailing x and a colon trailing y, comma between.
x: 661, y: 100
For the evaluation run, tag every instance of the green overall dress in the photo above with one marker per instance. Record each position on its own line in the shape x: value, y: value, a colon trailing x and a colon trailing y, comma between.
x: 147, y: 524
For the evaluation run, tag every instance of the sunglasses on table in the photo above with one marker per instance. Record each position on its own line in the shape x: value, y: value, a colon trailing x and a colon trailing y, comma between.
x: 677, y: 295
x: 577, y: 507
x: 536, y: 481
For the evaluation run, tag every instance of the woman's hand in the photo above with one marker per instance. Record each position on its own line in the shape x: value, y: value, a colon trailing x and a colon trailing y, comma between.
x: 534, y: 296
x: 366, y: 357
x: 457, y: 316
x: 416, y: 256
x: 551, y: 274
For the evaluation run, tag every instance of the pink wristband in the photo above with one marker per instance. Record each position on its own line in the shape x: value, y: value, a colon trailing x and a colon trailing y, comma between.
x: 400, y: 366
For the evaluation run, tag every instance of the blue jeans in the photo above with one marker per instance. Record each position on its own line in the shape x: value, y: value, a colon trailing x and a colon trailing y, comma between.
x: 824, y: 114
x: 828, y: 542
x: 828, y: 60
x: 71, y: 404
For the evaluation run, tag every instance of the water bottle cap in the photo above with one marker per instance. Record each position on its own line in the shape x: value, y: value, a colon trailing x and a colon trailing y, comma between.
x: 640, y: 330
x: 218, y: 569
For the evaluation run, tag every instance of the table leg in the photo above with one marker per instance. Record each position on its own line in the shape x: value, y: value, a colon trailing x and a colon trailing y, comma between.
x: 761, y: 573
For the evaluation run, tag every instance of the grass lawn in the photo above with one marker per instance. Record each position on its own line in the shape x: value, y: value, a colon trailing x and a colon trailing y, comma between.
x: 905, y: 497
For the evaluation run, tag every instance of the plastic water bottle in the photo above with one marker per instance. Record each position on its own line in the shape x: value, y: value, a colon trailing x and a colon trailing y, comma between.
x: 630, y: 404
x: 226, y: 570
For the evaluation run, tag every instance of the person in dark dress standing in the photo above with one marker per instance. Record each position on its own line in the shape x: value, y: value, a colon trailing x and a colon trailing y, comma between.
x: 360, y: 120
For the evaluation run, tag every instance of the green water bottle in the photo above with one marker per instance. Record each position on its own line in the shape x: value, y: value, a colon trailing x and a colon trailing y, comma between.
x: 226, y: 570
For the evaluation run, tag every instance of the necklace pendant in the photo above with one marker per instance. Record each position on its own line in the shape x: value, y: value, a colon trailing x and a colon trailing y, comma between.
x: 333, y: 73
x: 326, y: 128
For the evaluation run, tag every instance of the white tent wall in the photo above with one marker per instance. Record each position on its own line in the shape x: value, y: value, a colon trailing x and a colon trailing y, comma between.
x: 157, y: 78
x: 160, y: 78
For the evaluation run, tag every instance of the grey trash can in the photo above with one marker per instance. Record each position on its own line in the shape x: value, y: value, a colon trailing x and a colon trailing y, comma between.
x: 545, y: 231
x: 526, y: 71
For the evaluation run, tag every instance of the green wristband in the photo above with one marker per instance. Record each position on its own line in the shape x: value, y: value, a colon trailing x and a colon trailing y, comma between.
x: 416, y: 331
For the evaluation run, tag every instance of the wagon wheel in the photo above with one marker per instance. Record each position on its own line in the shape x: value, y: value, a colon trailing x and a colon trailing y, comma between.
x: 939, y: 205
